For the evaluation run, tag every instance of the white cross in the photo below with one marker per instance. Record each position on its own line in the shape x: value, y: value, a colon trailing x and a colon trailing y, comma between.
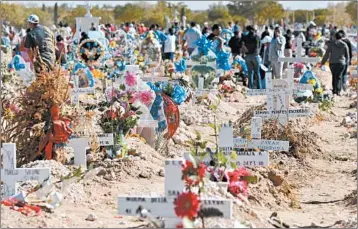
x: 10, y: 175
x: 299, y: 57
x: 278, y: 94
x: 80, y: 145
x: 227, y: 142
x: 164, y: 206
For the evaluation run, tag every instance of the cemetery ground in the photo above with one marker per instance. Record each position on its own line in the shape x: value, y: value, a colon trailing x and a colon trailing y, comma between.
x: 316, y: 186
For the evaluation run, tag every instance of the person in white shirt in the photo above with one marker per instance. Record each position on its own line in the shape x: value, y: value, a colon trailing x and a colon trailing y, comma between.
x: 191, y: 36
x: 169, y: 45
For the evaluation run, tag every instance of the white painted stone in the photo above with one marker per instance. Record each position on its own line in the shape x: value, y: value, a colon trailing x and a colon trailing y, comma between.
x: 10, y: 175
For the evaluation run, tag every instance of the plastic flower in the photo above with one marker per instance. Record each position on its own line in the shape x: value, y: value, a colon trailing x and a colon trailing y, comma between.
x: 14, y: 108
x: 312, y: 81
x: 145, y: 97
x: 237, y: 174
x: 187, y: 205
x: 130, y: 79
x: 238, y: 187
x: 191, y: 175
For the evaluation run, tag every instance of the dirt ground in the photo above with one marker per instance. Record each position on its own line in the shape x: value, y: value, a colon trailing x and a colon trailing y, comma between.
x: 318, y: 184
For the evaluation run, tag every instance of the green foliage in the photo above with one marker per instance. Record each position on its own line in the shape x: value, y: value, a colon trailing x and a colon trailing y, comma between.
x: 351, y: 9
x: 197, y: 146
x: 325, y: 105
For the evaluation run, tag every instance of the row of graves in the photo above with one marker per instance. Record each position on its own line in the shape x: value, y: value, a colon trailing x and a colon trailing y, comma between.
x: 127, y: 91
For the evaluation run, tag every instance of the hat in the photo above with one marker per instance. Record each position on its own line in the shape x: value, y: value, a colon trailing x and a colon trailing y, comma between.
x: 266, y: 39
x: 34, y: 19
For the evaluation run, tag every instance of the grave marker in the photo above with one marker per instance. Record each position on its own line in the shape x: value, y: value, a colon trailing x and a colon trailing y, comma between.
x: 10, y: 175
x: 81, y: 145
x: 299, y: 57
x: 164, y: 206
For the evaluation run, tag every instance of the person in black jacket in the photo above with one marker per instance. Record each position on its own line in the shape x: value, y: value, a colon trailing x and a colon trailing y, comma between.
x: 350, y: 52
x: 235, y: 44
x: 251, y: 46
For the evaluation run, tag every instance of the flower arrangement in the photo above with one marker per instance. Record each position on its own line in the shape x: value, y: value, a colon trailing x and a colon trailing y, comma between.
x: 226, y: 89
x: 90, y: 50
x: 119, y: 115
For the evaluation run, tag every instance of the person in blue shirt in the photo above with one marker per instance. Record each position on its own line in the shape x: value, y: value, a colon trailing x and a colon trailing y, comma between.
x: 236, y: 27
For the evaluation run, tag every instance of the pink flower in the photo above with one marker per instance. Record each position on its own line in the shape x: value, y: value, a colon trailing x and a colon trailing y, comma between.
x: 131, y: 79
x: 14, y: 108
x: 145, y: 97
x: 133, y: 98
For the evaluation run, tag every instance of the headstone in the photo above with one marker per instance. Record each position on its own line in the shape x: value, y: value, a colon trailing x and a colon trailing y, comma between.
x: 10, y: 175
x: 84, y: 24
x: 164, y: 206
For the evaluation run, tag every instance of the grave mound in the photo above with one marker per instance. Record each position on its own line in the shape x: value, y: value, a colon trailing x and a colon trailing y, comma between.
x: 145, y: 162
x: 302, y: 141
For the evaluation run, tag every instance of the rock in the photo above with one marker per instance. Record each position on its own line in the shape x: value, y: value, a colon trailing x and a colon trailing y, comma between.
x: 144, y: 175
x: 161, y: 172
x: 346, y: 121
x: 101, y: 172
x: 188, y: 119
x: 275, y: 178
x: 91, y: 217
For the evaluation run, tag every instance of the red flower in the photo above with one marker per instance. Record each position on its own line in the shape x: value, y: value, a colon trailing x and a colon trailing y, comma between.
x: 180, y: 225
x: 237, y: 174
x: 191, y: 175
x: 238, y: 187
x: 187, y: 205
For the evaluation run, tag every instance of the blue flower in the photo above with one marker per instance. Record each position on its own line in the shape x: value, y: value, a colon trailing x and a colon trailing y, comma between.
x: 180, y: 66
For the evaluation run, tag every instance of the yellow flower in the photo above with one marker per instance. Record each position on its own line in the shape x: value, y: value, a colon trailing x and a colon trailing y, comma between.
x: 318, y: 91
x: 97, y: 74
x: 112, y: 44
x: 312, y: 81
x: 8, y: 114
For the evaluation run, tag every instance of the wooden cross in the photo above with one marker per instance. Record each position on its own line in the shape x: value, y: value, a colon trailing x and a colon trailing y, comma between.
x: 163, y: 206
x: 10, y: 175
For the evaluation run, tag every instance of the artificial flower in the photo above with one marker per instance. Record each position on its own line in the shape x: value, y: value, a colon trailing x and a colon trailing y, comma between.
x: 237, y: 174
x: 312, y: 81
x: 145, y: 97
x: 238, y: 187
x: 130, y: 79
x: 191, y: 175
x: 187, y: 205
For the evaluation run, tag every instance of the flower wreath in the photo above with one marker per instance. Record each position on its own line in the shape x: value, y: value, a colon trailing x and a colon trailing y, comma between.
x: 90, y: 50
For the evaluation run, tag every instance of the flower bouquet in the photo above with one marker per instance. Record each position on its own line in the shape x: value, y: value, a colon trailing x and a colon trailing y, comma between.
x: 90, y: 51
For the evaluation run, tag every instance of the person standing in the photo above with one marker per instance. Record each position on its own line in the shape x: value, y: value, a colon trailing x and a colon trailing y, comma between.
x: 350, y: 52
x: 40, y: 43
x: 236, y: 27
x: 235, y: 44
x: 61, y: 50
x: 251, y: 46
x: 277, y: 46
x: 288, y: 47
x: 191, y: 36
x: 338, y: 55
x: 169, y: 45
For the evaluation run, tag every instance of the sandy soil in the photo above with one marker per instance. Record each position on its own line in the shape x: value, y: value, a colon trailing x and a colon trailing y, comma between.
x: 317, y: 183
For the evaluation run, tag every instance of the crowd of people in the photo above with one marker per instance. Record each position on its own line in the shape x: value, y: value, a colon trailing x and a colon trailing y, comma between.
x: 42, y: 46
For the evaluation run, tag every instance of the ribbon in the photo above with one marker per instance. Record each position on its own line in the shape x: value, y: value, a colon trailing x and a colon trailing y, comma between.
x: 180, y: 66
x: 222, y: 60
x: 17, y: 63
x: 203, y: 45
